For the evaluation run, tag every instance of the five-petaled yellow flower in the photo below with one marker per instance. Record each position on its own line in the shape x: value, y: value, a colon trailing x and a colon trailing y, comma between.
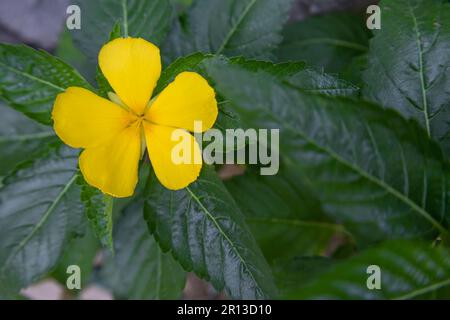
x: 111, y: 131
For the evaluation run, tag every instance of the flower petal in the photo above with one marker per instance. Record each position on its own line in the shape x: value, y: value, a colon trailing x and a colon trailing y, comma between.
x: 161, y: 146
x: 132, y: 67
x: 113, y: 168
x: 187, y: 99
x: 82, y: 119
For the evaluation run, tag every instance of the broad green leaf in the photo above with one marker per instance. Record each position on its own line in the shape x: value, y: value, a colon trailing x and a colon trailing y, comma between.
x: 329, y: 42
x: 297, y: 75
x: 20, y: 138
x: 99, y: 209
x: 68, y: 52
x: 139, y: 269
x: 40, y: 211
x: 355, y: 69
x: 292, y: 274
x: 344, y: 149
x: 236, y: 27
x: 285, y: 218
x: 80, y: 251
x: 181, y: 5
x: 409, y: 63
x: 279, y: 70
x: 205, y: 231
x: 313, y: 81
x: 148, y: 19
x: 409, y: 270
x: 31, y: 79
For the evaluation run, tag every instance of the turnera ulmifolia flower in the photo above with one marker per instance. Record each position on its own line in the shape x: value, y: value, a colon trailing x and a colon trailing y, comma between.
x: 114, y: 133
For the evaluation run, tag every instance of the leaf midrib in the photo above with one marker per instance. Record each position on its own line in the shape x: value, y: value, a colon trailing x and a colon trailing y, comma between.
x: 219, y: 228
x: 25, y: 137
x: 42, y: 221
x: 418, y: 292
x: 125, y: 17
x: 234, y: 28
x: 421, y: 70
x: 32, y: 77
x: 331, y: 41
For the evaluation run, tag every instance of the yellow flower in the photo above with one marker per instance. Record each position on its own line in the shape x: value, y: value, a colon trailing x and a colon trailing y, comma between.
x: 111, y: 131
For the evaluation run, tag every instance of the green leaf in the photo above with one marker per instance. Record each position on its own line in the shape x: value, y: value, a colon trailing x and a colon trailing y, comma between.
x: 71, y: 54
x: 206, y: 233
x: 409, y: 64
x: 236, y: 27
x: 99, y: 212
x: 329, y: 42
x: 292, y: 274
x: 80, y: 251
x: 408, y: 270
x: 116, y: 32
x: 313, y: 81
x: 283, y: 215
x: 148, y: 19
x: 355, y: 69
x: 20, y: 138
x: 279, y: 70
x: 40, y: 211
x: 139, y: 269
x: 297, y: 75
x: 181, y: 5
x: 344, y: 149
x: 31, y: 79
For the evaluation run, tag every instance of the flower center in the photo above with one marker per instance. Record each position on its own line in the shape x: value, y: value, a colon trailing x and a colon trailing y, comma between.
x: 137, y: 118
